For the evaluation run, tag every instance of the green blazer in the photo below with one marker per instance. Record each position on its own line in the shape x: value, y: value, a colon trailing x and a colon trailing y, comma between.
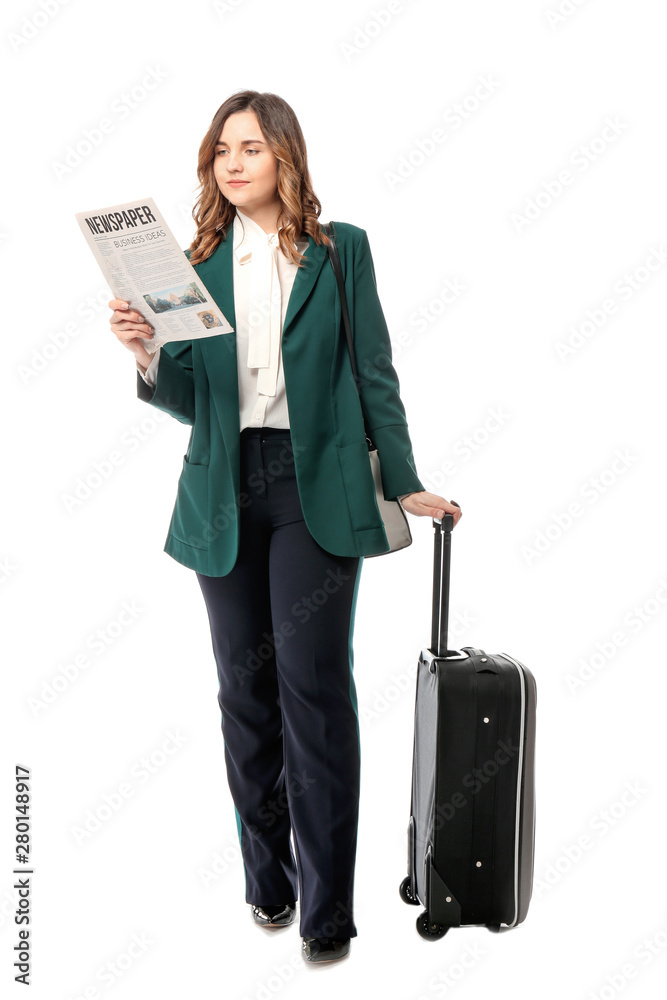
x: 197, y: 383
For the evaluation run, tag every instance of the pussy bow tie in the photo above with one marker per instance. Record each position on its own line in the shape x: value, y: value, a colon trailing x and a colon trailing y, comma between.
x: 264, y: 310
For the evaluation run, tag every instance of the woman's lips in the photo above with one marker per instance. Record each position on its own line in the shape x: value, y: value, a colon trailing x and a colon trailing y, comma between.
x: 237, y: 183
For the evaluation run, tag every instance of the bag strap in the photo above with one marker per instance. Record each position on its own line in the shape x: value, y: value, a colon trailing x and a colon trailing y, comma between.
x: 334, y: 257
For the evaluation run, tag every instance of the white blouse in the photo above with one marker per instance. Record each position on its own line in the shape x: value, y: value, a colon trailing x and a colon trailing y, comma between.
x: 262, y: 398
x: 257, y: 294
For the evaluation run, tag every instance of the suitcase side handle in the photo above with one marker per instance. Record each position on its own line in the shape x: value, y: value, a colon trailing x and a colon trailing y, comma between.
x: 441, y: 571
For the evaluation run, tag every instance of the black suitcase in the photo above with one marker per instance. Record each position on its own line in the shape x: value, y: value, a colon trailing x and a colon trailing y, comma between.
x: 471, y: 836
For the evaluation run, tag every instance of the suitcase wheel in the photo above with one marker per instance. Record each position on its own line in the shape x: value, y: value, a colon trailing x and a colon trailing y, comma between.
x: 405, y: 891
x: 431, y: 932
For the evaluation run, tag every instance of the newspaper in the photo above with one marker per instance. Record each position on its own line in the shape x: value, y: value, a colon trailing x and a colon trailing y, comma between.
x: 144, y: 265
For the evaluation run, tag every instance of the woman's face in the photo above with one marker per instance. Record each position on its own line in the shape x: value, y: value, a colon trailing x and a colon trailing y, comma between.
x: 253, y: 162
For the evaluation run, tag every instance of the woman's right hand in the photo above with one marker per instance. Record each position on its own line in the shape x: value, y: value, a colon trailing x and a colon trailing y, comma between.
x: 131, y: 329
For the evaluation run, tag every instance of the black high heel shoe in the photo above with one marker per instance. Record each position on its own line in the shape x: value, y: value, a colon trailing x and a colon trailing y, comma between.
x: 324, y: 949
x: 274, y: 916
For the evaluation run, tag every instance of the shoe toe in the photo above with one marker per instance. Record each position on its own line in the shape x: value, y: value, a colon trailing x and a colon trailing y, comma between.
x: 324, y: 949
x: 274, y: 916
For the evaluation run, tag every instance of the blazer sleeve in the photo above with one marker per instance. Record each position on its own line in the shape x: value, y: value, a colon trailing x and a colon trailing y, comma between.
x: 380, y: 390
x: 174, y: 390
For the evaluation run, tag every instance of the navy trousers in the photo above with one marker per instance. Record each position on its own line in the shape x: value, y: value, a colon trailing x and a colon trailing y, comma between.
x: 282, y: 623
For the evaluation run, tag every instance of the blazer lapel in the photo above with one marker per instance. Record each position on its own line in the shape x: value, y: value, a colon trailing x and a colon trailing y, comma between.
x: 304, y: 282
x: 219, y: 352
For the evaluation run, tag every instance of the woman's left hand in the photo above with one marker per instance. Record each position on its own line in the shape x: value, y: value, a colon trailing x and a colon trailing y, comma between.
x: 425, y: 504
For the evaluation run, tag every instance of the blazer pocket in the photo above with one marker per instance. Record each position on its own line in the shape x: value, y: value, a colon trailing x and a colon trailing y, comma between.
x: 359, y: 485
x: 190, y: 517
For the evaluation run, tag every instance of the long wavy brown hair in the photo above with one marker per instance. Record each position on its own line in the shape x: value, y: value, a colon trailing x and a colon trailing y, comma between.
x: 214, y: 214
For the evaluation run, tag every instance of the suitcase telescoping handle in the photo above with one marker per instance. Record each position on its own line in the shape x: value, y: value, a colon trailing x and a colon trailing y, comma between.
x: 441, y: 565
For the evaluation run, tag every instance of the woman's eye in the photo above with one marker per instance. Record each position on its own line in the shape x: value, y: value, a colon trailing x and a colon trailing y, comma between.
x: 220, y: 151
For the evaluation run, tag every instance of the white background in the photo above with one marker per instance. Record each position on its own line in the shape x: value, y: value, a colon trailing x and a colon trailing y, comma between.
x: 557, y: 592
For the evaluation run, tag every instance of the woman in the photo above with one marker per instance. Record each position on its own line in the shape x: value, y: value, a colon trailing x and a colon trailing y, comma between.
x: 276, y: 506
